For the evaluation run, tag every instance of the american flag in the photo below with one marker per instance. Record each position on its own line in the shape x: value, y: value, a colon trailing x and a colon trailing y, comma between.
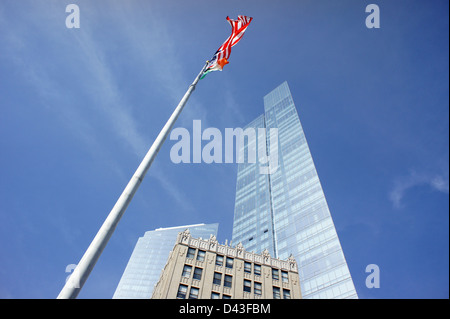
x: 222, y: 55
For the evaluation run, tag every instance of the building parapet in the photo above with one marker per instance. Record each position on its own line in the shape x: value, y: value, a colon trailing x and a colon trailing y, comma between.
x: 238, y: 251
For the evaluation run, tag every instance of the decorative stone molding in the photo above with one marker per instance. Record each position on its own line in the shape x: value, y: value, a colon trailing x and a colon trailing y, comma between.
x: 292, y: 263
x: 185, y: 236
x: 239, y: 251
x: 266, y: 256
x: 213, y: 243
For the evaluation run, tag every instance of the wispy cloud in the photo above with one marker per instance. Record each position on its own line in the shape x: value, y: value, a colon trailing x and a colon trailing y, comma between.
x: 438, y: 182
x: 104, y: 96
x: 160, y: 55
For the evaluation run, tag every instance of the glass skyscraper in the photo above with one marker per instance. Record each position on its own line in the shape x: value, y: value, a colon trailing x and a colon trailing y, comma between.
x: 149, y: 258
x: 286, y: 211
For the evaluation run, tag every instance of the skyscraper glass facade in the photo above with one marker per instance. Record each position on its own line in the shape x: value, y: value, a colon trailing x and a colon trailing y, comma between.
x: 286, y: 211
x: 149, y: 258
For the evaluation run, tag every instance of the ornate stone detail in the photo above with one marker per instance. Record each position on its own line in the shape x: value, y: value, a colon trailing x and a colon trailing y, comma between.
x: 212, y: 242
x: 240, y: 249
x: 185, y: 235
x: 292, y: 262
x: 266, y: 256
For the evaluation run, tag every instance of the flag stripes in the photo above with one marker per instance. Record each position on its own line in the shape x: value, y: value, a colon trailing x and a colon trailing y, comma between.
x: 222, y: 55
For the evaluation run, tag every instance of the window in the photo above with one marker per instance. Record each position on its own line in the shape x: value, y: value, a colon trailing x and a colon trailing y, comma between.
x: 247, y: 267
x: 284, y: 276
x: 215, y: 295
x: 276, y: 293
x: 193, y: 294
x: 190, y: 253
x: 217, y: 280
x: 226, y: 297
x: 182, y: 290
x: 229, y: 263
x: 247, y: 285
x: 275, y: 274
x: 201, y: 255
x: 286, y: 294
x: 257, y: 288
x: 219, y: 260
x: 227, y: 281
x: 198, y: 273
x: 257, y: 269
x: 186, y: 271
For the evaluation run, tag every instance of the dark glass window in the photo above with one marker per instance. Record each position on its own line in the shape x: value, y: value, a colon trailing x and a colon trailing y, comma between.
x: 275, y: 274
x: 247, y: 285
x: 201, y: 255
x: 247, y: 267
x: 182, y: 290
x: 198, y: 273
x: 257, y: 288
x: 193, y: 294
x: 229, y: 263
x: 219, y: 260
x: 187, y: 271
x: 190, y: 253
x: 257, y: 269
x: 276, y: 293
x: 284, y: 276
x: 217, y: 280
x: 227, y: 281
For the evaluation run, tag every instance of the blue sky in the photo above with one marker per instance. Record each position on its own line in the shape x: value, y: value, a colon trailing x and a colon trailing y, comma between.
x: 80, y: 108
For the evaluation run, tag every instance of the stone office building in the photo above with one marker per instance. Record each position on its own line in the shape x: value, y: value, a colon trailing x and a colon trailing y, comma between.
x: 204, y: 269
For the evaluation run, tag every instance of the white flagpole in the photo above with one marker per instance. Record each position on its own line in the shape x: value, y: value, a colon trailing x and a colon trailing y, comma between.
x: 77, y: 279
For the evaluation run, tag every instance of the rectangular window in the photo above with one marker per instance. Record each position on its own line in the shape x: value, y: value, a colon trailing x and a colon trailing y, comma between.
x: 198, y: 273
x: 247, y: 267
x: 247, y: 285
x: 227, y: 281
x: 286, y: 294
x: 275, y: 274
x: 193, y: 294
x: 201, y: 255
x: 276, y: 293
x: 257, y: 269
x: 190, y: 253
x: 215, y: 295
x: 226, y: 297
x: 257, y: 288
x: 284, y: 276
x: 182, y: 290
x: 229, y: 263
x: 219, y: 260
x: 217, y: 280
x: 186, y: 271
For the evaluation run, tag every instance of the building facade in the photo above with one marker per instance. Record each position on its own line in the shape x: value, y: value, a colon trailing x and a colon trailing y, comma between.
x: 205, y: 269
x: 149, y: 258
x: 286, y: 211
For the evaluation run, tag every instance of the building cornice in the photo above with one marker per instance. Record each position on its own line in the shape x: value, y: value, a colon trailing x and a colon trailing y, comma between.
x: 238, y: 251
